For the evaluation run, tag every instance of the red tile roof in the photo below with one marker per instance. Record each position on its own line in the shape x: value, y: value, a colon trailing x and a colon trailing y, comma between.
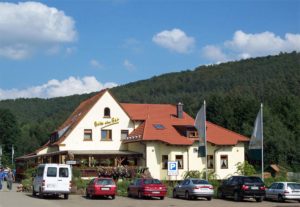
x: 220, y: 136
x: 165, y: 115
x: 151, y: 114
x: 78, y: 115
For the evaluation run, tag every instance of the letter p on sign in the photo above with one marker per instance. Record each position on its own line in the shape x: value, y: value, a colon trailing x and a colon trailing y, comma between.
x: 173, y: 168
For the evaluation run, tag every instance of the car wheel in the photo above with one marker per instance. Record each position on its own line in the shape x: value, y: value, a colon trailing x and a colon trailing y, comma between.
x: 140, y: 195
x: 128, y: 193
x: 208, y: 198
x: 175, y: 194
x: 187, y: 195
x: 41, y: 195
x: 113, y: 197
x: 87, y: 194
x: 280, y: 198
x: 33, y: 192
x: 236, y: 196
x: 259, y: 199
x: 66, y: 196
x: 220, y: 194
x: 162, y: 198
x: 91, y: 196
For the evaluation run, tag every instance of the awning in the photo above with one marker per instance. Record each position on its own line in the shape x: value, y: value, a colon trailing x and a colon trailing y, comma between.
x: 83, y: 152
x: 103, y: 152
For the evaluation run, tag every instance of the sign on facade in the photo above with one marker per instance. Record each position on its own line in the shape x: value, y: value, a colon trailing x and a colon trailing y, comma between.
x: 71, y: 162
x: 173, y: 168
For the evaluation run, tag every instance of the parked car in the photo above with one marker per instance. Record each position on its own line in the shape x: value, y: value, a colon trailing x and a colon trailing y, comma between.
x: 54, y: 179
x: 282, y: 191
x: 147, y: 188
x: 101, y: 187
x: 193, y: 188
x: 240, y: 187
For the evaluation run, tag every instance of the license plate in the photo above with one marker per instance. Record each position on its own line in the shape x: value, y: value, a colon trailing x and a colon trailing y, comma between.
x: 254, y: 188
x: 155, y: 192
x: 104, y: 188
x: 50, y: 185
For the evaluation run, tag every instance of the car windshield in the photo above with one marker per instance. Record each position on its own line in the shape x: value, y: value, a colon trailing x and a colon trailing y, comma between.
x: 199, y: 182
x: 152, y: 181
x: 105, y: 182
x: 294, y: 186
x: 252, y: 180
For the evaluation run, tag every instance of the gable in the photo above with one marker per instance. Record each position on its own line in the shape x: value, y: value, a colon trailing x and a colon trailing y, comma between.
x: 91, y: 113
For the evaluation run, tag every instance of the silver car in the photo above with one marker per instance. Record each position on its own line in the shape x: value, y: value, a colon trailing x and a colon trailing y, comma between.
x: 282, y: 191
x: 193, y: 188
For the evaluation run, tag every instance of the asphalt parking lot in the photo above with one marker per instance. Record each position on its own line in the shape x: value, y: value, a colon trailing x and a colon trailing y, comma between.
x: 14, y: 199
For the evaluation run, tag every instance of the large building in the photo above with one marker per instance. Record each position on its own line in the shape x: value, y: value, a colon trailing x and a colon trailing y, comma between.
x: 102, y: 131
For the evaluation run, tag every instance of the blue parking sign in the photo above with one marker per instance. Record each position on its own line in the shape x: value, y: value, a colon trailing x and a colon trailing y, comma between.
x: 173, y: 168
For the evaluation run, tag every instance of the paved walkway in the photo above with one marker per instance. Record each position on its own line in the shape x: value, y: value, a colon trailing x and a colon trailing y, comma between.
x: 15, y: 199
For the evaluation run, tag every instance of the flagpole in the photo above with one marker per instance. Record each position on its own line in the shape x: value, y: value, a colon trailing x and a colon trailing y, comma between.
x: 200, y: 125
x: 12, y: 154
x: 206, y: 174
x: 262, y: 143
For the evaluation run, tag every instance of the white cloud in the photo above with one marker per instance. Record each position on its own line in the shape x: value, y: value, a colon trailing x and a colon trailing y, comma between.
x: 28, y: 27
x: 128, y: 65
x: 95, y: 63
x: 245, y: 45
x: 56, y: 88
x: 214, y: 53
x: 175, y: 40
x: 266, y: 43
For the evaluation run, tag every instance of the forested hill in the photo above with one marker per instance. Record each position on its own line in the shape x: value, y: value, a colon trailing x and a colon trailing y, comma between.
x: 233, y: 92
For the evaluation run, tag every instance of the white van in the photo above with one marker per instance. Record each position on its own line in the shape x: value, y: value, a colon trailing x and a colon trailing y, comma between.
x: 52, y: 179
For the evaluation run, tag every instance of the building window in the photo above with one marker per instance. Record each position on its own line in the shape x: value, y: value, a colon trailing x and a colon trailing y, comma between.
x: 179, y: 159
x: 224, y: 161
x: 192, y: 134
x: 159, y: 126
x: 124, y: 134
x: 88, y: 134
x: 106, y: 135
x: 164, y: 161
x: 107, y: 112
x: 210, y: 161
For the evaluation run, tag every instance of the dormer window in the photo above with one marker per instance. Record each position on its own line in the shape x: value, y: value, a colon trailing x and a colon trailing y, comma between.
x: 192, y: 134
x: 106, y: 112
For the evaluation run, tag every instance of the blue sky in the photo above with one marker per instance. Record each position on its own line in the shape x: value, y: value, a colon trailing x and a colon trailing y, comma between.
x: 63, y: 47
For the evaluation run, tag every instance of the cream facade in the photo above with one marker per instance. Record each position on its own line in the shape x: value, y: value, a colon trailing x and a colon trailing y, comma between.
x: 83, y: 132
x: 154, y: 152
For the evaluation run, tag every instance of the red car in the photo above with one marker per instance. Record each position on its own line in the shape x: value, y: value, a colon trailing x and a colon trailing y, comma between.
x: 147, y: 188
x: 101, y: 187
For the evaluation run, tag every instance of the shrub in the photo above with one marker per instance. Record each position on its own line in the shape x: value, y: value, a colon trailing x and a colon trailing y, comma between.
x: 244, y: 168
x: 80, y: 183
x: 270, y: 180
x: 122, y: 186
x: 193, y: 174
x: 27, y: 181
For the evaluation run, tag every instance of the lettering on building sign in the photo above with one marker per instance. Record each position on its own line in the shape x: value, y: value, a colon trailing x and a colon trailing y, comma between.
x: 110, y: 122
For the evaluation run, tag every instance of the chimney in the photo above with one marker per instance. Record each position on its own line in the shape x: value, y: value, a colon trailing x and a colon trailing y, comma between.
x: 180, y: 110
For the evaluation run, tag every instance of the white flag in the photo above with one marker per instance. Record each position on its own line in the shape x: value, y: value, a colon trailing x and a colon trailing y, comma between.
x: 256, y: 140
x: 200, y: 125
